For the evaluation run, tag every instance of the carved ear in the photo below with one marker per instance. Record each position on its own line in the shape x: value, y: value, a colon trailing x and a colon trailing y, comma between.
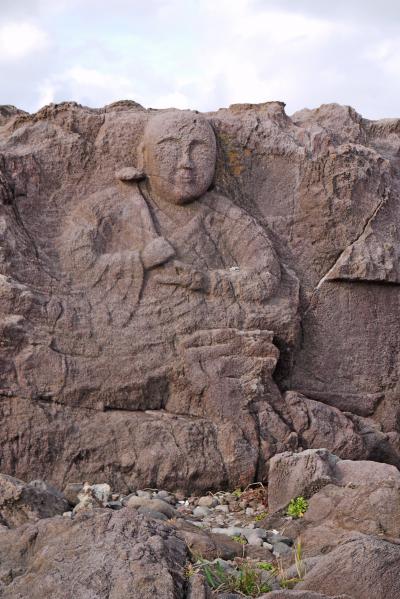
x: 130, y: 173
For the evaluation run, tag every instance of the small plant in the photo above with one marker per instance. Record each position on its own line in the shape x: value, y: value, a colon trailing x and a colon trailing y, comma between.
x: 266, y: 566
x: 189, y: 570
x: 245, y: 580
x: 298, y: 560
x: 239, y: 539
x: 297, y: 507
x: 237, y: 493
x: 261, y: 516
x: 215, y: 576
x: 289, y: 583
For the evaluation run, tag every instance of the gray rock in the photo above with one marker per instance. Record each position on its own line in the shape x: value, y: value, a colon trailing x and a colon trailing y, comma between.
x: 157, y: 505
x: 165, y: 496
x: 201, y: 511
x: 152, y: 513
x: 21, y: 502
x: 260, y: 533
x: 231, y: 531
x: 71, y: 492
x: 147, y: 494
x: 267, y: 545
x: 273, y: 538
x: 126, y: 498
x: 253, y: 539
x: 114, y: 505
x: 208, y: 501
x: 280, y: 549
x: 222, y: 508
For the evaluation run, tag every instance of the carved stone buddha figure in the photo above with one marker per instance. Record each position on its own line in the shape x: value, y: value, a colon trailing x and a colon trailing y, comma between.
x: 159, y: 258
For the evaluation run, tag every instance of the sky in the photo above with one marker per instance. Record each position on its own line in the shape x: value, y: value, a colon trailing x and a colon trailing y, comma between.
x: 202, y: 54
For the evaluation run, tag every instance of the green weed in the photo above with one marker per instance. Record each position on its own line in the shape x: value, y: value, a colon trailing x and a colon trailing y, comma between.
x: 246, y: 580
x: 297, y: 507
x: 239, y: 539
x: 261, y: 516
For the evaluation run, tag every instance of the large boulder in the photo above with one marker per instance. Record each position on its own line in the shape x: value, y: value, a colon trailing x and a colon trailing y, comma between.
x: 27, y: 502
x: 363, y: 568
x: 101, y: 554
x: 298, y: 474
x: 305, y: 473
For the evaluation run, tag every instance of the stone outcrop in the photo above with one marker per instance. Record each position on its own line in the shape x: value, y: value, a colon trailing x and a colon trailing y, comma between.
x: 182, y: 296
x: 303, y: 474
x: 21, y: 502
x: 104, y: 554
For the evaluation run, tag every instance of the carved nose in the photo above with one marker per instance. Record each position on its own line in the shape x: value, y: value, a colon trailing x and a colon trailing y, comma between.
x: 185, y: 161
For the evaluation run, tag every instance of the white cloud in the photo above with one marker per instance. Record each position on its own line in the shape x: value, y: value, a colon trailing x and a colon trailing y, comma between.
x: 172, y: 100
x: 18, y: 40
x: 84, y: 85
x: 202, y: 54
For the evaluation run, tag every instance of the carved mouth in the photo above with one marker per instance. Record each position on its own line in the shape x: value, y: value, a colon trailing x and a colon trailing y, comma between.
x: 185, y: 177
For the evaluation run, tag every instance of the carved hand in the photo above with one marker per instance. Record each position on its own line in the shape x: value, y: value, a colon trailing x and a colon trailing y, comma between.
x: 184, y: 275
x: 157, y: 252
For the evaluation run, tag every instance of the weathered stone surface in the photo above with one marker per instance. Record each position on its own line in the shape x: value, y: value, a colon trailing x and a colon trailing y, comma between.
x: 158, y: 505
x: 155, y: 269
x: 372, y: 508
x: 364, y: 568
x: 305, y: 473
x: 21, y: 502
x: 294, y: 474
x: 104, y: 554
x: 301, y: 595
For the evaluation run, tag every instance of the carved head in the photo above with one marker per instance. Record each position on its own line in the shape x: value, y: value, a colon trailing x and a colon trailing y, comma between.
x: 179, y: 155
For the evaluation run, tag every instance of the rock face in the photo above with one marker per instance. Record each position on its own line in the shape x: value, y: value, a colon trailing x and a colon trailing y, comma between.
x: 182, y: 296
x: 104, y: 554
x: 21, y: 502
x: 363, y: 568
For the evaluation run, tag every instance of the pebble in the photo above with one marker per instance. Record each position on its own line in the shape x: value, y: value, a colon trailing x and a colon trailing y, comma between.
x: 249, y: 511
x: 157, y: 505
x: 254, y: 540
x: 166, y: 497
x: 152, y: 513
x: 231, y: 531
x: 267, y: 545
x: 281, y: 549
x: 125, y: 499
x: 102, y: 492
x: 114, y: 505
x: 163, y: 494
x: 201, y: 511
x: 274, y: 538
x: 260, y: 533
x: 207, y: 501
x: 146, y: 494
x: 222, y: 508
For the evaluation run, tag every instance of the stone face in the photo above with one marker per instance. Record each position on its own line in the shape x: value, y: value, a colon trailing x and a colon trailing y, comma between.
x: 104, y: 554
x: 166, y: 276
